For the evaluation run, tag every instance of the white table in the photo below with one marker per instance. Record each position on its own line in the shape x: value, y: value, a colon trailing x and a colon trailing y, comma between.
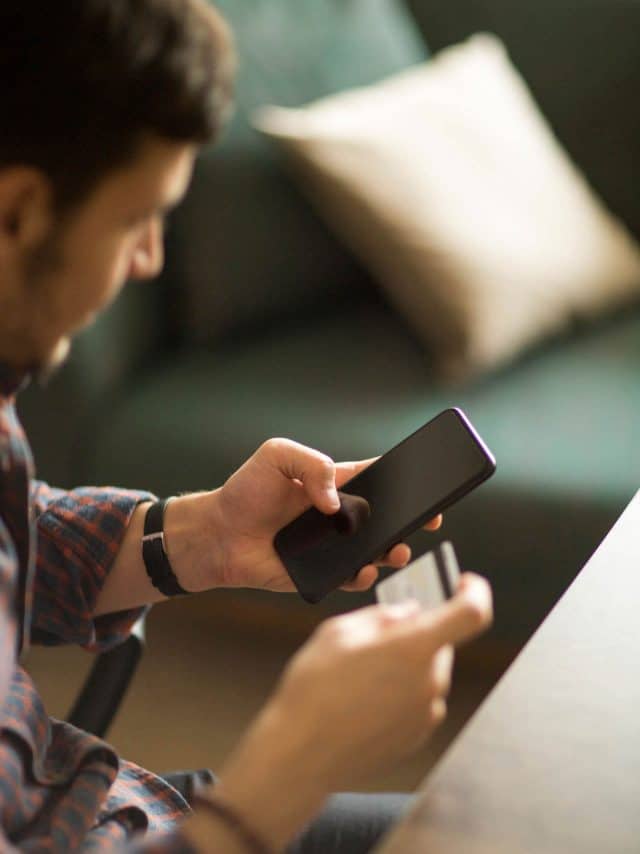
x: 551, y: 760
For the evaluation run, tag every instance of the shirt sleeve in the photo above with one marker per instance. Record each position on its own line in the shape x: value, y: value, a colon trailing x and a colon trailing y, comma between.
x: 8, y: 617
x: 166, y: 843
x: 79, y: 534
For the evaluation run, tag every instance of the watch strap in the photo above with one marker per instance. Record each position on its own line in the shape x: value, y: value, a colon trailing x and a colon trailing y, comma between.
x: 154, y: 554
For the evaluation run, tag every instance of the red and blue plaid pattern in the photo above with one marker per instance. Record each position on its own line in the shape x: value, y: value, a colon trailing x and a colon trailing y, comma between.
x: 61, y: 789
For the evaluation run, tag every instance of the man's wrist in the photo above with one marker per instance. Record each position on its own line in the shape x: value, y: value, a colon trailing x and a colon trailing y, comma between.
x: 270, y: 779
x: 193, y: 541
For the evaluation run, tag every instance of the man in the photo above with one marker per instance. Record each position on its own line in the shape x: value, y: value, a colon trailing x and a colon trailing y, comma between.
x: 105, y: 104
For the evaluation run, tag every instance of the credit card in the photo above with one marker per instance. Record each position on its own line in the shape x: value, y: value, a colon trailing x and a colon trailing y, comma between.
x: 431, y: 579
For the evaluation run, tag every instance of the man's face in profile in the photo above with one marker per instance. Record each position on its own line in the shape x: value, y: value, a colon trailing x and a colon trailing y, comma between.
x: 58, y: 275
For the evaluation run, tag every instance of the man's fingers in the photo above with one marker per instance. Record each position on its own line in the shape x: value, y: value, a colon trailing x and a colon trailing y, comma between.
x: 437, y: 712
x: 397, y: 556
x: 440, y: 671
x: 345, y: 471
x: 315, y: 470
x: 367, y: 576
x: 467, y: 614
x: 318, y: 473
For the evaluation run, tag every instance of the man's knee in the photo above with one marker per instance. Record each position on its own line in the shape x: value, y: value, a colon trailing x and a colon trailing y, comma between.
x: 351, y: 823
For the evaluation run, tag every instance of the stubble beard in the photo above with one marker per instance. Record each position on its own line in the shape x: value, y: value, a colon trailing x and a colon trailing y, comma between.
x: 48, y: 366
x: 34, y: 352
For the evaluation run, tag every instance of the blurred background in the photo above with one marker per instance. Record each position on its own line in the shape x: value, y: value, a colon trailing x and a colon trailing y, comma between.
x: 272, y: 319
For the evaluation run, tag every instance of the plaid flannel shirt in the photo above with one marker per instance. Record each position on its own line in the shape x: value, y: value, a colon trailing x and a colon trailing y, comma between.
x: 61, y: 789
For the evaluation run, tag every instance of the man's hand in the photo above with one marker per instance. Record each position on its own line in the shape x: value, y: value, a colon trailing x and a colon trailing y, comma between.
x: 224, y: 538
x: 367, y: 689
x: 384, y: 673
x: 280, y: 481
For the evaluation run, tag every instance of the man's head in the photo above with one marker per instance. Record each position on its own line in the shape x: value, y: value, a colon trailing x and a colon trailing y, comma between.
x: 104, y: 104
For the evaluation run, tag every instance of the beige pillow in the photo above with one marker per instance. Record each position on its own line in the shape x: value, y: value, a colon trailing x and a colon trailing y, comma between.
x: 448, y: 183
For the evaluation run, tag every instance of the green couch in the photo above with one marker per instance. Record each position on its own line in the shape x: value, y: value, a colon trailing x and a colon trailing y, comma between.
x: 263, y: 325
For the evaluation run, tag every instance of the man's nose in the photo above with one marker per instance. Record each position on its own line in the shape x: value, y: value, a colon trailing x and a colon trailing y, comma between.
x: 148, y: 257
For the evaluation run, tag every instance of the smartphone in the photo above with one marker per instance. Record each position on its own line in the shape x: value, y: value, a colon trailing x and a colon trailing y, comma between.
x: 417, y: 479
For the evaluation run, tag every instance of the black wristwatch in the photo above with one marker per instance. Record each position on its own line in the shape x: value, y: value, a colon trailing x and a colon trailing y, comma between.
x: 154, y: 555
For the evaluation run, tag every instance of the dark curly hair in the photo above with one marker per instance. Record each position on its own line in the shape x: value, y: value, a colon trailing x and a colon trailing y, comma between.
x: 82, y: 82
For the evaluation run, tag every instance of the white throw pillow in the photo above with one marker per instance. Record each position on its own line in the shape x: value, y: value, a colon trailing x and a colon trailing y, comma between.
x: 448, y: 183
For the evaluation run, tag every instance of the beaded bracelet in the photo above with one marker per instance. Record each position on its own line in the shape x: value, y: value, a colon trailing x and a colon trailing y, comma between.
x: 233, y: 820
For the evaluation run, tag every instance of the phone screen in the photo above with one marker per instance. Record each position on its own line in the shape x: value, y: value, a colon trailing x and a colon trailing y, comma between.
x: 414, y: 481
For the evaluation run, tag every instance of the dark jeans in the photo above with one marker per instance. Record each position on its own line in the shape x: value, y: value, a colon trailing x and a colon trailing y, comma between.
x: 351, y: 824
x: 348, y: 824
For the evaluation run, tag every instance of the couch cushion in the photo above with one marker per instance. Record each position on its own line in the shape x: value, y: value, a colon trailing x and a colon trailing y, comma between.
x: 477, y: 225
x: 581, y: 61
x: 246, y: 247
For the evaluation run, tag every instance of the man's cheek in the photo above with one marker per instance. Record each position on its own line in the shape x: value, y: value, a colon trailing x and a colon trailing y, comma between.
x: 114, y: 276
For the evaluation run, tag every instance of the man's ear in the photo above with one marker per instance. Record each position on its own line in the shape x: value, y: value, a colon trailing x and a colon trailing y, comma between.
x: 25, y: 209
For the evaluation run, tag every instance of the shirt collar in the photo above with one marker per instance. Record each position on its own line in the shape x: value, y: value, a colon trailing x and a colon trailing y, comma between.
x: 12, y: 379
